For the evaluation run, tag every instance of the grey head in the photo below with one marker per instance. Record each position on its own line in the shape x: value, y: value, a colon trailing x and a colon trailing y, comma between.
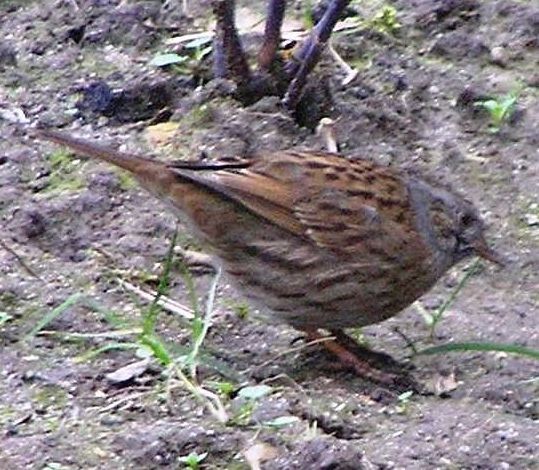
x: 451, y: 223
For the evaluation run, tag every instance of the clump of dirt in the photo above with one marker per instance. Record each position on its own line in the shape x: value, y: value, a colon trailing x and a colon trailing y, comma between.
x: 72, y: 226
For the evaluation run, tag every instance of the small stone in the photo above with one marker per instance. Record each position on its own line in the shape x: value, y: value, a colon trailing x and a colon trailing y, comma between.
x: 531, y: 219
x: 8, y: 56
x: 533, y: 80
x: 498, y: 56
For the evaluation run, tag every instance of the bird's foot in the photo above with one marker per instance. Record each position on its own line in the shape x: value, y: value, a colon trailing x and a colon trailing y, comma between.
x: 358, y: 359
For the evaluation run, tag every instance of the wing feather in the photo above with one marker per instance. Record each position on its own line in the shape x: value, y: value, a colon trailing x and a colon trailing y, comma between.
x: 298, y: 198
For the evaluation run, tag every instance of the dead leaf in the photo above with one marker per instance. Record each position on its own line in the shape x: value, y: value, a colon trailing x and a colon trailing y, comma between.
x: 442, y: 384
x: 161, y: 134
x: 128, y: 372
x: 258, y: 453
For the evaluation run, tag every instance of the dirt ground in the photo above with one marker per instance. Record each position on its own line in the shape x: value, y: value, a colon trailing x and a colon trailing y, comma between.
x: 72, y: 226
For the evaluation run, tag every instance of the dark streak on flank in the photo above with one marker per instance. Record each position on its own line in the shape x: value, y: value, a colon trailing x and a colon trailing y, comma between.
x: 360, y: 193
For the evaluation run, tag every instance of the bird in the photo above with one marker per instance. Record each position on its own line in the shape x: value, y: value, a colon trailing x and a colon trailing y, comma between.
x: 316, y: 240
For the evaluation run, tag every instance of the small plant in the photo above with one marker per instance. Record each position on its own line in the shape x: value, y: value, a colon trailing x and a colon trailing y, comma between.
x: 225, y: 389
x: 240, y: 308
x: 188, y: 63
x: 63, y: 175
x: 178, y: 363
x: 242, y: 416
x: 433, y: 319
x: 404, y: 402
x: 384, y: 21
x: 250, y: 396
x: 500, y: 109
x: 193, y: 460
x: 359, y: 335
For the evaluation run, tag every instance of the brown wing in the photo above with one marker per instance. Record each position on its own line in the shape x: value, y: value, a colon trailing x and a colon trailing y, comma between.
x: 262, y: 195
x: 345, y: 206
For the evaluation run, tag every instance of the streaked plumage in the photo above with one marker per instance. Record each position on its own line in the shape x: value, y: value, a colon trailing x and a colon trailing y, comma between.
x: 315, y: 239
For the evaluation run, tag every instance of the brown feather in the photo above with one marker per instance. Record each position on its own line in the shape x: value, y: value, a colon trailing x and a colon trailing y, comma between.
x: 292, y: 193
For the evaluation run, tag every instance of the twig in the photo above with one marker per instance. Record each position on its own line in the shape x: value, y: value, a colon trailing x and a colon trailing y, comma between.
x: 121, y: 401
x: 104, y: 335
x: 350, y: 72
x: 409, y: 343
x: 309, y: 53
x: 164, y: 302
x: 19, y: 258
x: 229, y: 58
x: 272, y: 34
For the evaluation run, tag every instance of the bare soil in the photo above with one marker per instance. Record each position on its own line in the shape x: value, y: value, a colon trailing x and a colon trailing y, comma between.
x: 80, y: 226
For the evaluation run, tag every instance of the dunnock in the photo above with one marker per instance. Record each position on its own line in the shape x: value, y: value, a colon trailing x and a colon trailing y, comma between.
x: 315, y: 239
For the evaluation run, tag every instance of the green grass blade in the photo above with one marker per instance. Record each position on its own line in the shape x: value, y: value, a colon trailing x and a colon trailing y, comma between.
x: 158, y: 348
x: 437, y: 316
x: 486, y: 347
x: 54, y: 314
x: 103, y: 349
x: 150, y: 316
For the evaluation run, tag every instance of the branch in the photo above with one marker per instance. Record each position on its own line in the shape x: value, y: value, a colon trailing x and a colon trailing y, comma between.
x: 272, y: 34
x: 309, y: 53
x: 229, y: 59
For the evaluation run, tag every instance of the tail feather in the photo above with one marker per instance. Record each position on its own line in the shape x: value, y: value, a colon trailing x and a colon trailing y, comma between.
x: 127, y: 161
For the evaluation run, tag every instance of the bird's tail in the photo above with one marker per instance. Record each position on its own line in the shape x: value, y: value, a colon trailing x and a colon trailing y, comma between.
x: 127, y: 161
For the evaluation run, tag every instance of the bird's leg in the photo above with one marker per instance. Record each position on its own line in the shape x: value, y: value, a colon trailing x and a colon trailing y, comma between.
x: 363, y: 351
x: 341, y: 348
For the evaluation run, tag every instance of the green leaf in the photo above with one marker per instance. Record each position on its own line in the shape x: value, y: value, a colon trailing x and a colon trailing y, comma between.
x: 197, y: 326
x: 158, y: 348
x: 193, y: 459
x: 255, y: 392
x: 226, y: 388
x: 201, y: 53
x: 489, y: 105
x: 162, y: 60
x: 437, y: 316
x: 149, y: 318
x: 509, y: 101
x: 405, y: 396
x: 282, y: 421
x: 195, y: 43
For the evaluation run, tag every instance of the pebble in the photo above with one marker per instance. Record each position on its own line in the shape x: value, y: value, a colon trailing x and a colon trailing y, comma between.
x: 498, y: 56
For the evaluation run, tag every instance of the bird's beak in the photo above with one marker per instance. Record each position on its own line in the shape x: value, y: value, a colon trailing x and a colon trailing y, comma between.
x: 486, y: 252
